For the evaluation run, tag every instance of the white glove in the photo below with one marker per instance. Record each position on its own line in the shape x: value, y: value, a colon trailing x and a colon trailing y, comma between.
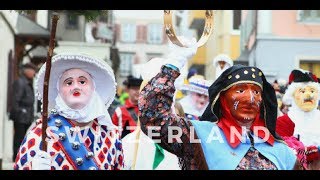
x: 152, y: 68
x: 179, y: 56
x: 41, y: 161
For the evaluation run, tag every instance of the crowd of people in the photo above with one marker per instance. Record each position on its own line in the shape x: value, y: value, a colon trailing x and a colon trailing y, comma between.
x: 236, y: 120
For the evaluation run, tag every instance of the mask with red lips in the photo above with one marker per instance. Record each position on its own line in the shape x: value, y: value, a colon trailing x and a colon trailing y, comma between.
x: 76, y: 88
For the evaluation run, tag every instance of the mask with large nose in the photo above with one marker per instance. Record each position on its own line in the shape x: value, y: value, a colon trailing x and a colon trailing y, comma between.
x: 76, y: 88
x: 306, y: 97
x: 243, y: 101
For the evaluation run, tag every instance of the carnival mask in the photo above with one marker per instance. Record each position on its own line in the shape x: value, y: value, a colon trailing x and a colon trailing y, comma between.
x: 76, y: 88
x: 243, y: 100
x: 200, y: 100
x: 221, y: 64
x: 306, y: 98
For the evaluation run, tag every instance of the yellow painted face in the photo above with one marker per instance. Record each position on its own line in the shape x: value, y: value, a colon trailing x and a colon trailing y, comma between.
x: 306, y: 98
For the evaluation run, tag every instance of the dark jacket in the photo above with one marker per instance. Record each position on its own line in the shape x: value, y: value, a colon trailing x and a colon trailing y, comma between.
x: 22, y: 110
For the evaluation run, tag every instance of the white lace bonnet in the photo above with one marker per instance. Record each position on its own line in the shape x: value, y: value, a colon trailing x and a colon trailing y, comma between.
x: 100, y: 71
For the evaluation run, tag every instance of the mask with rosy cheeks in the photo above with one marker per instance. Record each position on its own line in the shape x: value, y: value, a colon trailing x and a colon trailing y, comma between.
x: 76, y: 88
x: 243, y: 101
x: 200, y: 100
x: 306, y: 98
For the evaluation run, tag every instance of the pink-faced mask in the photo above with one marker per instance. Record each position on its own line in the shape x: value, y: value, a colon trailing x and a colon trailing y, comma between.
x: 77, y: 98
x: 200, y: 101
x: 76, y: 88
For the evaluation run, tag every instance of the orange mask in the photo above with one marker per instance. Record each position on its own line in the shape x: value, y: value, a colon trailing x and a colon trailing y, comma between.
x: 243, y: 101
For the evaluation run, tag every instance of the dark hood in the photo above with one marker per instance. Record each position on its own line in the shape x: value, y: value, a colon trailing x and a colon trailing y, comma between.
x: 243, y: 74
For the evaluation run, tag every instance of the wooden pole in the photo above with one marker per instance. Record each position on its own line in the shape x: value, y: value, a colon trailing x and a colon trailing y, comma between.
x: 55, y: 19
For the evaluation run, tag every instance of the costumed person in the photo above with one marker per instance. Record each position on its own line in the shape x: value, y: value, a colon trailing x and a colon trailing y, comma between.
x: 183, y: 79
x: 192, y: 72
x: 126, y: 116
x: 197, y: 98
x: 222, y: 62
x: 140, y: 151
x: 300, y: 126
x: 240, y: 99
x: 80, y: 133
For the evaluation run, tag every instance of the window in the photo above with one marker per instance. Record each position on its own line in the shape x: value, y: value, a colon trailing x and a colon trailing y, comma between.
x: 236, y: 19
x: 311, y: 65
x: 309, y: 15
x: 128, y: 33
x: 72, y: 21
x: 155, y: 33
x: 126, y: 60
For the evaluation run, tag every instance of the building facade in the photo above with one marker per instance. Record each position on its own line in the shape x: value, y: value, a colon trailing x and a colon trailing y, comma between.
x: 278, y: 41
x: 6, y: 53
x: 224, y: 39
x: 20, y: 35
x: 25, y: 38
x: 76, y: 34
x: 139, y: 37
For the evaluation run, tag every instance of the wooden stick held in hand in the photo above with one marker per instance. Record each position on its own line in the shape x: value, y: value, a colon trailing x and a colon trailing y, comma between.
x: 55, y: 19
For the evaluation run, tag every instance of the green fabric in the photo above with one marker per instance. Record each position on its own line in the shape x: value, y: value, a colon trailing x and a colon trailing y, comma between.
x: 124, y: 96
x: 158, y: 156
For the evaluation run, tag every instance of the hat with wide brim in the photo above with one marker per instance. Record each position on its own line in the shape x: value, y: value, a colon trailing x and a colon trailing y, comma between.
x: 299, y: 78
x: 198, y: 85
x: 101, y: 73
x: 132, y: 81
x: 300, y: 75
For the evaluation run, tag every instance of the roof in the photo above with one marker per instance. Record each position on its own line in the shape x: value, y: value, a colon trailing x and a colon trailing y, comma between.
x: 25, y: 26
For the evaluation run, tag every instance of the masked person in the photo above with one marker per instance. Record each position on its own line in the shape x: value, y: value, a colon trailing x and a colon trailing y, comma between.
x: 241, y: 102
x: 80, y: 133
x: 197, y: 99
x: 222, y: 62
x: 300, y: 126
x: 140, y: 151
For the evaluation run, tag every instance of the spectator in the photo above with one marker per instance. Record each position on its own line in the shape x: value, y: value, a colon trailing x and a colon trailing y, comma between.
x: 127, y: 115
x: 22, y: 112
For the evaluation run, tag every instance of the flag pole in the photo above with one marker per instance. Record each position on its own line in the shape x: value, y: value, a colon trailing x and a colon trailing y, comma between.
x: 137, y: 141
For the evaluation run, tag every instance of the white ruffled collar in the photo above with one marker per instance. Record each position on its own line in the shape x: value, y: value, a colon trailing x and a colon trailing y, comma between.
x: 306, y: 124
x: 94, y: 109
